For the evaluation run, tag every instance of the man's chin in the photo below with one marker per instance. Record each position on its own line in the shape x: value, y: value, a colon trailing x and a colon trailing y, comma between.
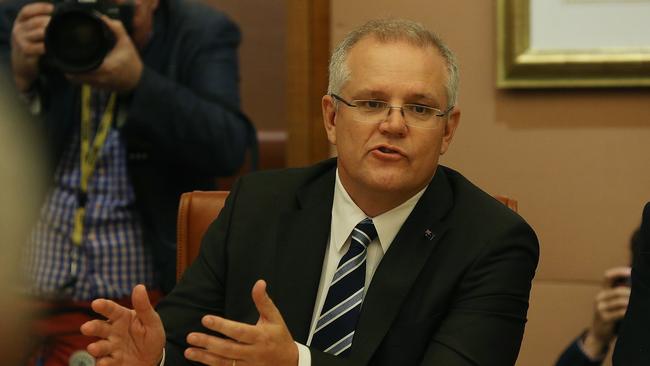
x: 386, y: 181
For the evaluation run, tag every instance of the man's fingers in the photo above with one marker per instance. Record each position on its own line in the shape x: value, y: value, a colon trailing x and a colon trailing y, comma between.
x: 38, y: 22
x: 115, y: 26
x: 143, y: 308
x: 34, y: 9
x: 206, y: 357
x: 223, y: 347
x: 241, y: 332
x: 107, y: 361
x: 612, y: 274
x: 613, y: 293
x: 615, y: 304
x: 96, y: 328
x: 35, y: 36
x: 100, y: 348
x: 264, y: 304
x: 109, y: 309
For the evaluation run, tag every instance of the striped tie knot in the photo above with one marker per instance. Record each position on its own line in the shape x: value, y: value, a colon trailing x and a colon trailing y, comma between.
x: 337, y: 323
x: 364, y: 232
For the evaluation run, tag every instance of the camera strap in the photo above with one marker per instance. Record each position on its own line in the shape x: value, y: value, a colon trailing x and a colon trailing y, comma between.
x: 89, y: 152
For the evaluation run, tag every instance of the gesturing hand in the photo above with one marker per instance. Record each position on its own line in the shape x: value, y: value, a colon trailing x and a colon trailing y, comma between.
x: 129, y: 337
x: 266, y: 343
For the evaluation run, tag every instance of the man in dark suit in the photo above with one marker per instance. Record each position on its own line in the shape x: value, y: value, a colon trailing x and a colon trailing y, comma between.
x: 633, y: 346
x: 378, y: 257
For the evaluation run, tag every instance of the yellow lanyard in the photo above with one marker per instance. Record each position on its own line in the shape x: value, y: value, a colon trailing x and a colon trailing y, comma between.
x: 88, y: 155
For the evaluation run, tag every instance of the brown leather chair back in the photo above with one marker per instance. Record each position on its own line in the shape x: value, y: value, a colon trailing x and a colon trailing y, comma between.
x: 196, y: 212
x: 198, y: 209
x: 511, y: 203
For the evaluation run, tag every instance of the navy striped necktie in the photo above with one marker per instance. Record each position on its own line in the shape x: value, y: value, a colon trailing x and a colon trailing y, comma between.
x: 338, y: 318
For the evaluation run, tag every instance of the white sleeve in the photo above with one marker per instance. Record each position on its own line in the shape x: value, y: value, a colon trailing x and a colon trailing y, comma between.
x: 162, y: 362
x: 304, y: 355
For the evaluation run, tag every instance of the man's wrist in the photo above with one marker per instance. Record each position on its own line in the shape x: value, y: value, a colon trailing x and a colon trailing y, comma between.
x: 24, y: 84
x: 595, y: 348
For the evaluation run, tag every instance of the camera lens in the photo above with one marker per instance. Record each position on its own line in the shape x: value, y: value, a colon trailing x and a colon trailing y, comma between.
x: 77, y: 40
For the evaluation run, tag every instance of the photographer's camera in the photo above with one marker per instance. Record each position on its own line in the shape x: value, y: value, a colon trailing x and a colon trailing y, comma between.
x: 77, y: 39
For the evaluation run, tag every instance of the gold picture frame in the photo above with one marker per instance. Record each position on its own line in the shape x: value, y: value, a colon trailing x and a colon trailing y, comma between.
x: 519, y: 66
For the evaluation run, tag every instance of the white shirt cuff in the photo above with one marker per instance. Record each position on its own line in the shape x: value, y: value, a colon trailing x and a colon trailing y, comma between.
x: 162, y: 362
x: 304, y: 355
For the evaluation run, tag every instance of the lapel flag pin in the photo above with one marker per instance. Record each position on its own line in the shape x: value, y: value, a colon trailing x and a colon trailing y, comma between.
x: 429, y: 234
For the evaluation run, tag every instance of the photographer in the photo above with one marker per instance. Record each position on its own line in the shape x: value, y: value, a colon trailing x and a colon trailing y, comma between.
x: 610, y: 304
x: 159, y: 116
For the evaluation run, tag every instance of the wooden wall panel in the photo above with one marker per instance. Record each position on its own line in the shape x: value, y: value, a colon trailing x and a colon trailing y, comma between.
x: 308, y: 56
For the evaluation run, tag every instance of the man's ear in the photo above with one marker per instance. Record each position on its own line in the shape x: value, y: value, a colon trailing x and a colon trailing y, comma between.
x: 329, y: 117
x: 450, y: 128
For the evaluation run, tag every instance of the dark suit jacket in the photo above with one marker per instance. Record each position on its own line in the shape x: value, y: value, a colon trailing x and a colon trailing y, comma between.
x: 458, y: 297
x: 181, y: 125
x: 573, y: 356
x: 633, y: 346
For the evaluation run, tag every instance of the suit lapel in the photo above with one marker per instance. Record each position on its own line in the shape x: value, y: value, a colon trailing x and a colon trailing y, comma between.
x: 300, y: 251
x: 400, y: 267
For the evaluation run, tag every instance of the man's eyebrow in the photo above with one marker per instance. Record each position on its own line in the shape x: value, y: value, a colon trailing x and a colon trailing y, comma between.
x: 428, y: 98
x: 372, y: 93
x: 423, y: 96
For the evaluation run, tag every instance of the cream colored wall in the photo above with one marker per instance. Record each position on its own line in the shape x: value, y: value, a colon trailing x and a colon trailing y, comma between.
x: 576, y: 160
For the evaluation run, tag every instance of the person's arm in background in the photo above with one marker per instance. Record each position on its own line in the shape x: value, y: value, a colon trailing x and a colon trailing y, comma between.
x: 633, y: 345
x: 194, y: 121
x: 574, y: 355
x: 590, y: 348
x: 22, y: 32
x: 27, y: 42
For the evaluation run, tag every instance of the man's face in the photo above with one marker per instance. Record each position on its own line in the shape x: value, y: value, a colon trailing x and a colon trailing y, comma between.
x: 390, y: 158
x: 143, y: 21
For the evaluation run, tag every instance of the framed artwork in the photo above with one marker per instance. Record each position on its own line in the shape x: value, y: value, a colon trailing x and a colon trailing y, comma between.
x: 573, y: 43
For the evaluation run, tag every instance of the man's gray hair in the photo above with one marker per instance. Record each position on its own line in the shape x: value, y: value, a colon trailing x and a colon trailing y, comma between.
x: 387, y: 30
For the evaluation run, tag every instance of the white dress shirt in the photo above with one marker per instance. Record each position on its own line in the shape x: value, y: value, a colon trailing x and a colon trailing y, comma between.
x: 345, y: 216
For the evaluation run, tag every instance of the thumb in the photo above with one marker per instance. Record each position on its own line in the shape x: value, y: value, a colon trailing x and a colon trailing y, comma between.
x: 264, y: 304
x: 143, y: 308
x: 115, y: 26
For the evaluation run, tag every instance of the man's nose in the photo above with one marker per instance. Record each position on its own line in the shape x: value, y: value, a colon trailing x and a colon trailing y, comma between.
x: 394, y: 122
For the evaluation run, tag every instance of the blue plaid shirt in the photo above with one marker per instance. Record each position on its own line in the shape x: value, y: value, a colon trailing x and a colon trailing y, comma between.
x: 113, y: 258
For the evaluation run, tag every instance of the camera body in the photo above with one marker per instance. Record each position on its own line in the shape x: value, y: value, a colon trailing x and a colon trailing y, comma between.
x: 624, y: 281
x: 77, y: 39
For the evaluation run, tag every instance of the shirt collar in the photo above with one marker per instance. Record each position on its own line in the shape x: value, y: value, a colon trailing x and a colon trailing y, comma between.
x: 346, y: 215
